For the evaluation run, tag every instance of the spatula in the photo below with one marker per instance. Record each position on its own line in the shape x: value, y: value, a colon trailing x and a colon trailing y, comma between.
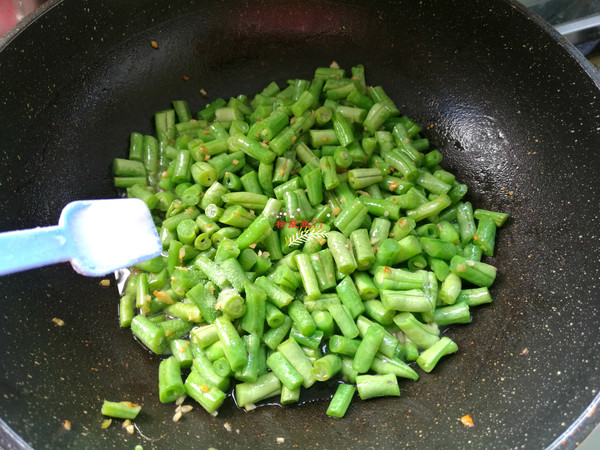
x: 96, y: 236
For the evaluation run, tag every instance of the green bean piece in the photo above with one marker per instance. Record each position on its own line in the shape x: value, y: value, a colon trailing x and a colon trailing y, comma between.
x: 294, y: 354
x: 351, y: 217
x: 438, y: 248
x: 348, y: 373
x: 448, y: 315
x: 225, y: 233
x: 340, y: 402
x: 440, y: 268
x: 205, y: 302
x: 363, y: 251
x: 251, y: 148
x: 387, y: 253
x: 402, y: 162
x: 340, y: 155
x: 376, y: 116
x: 498, y: 217
x: 377, y: 311
x: 175, y: 328
x: 381, y: 207
x: 474, y: 297
x: 228, y: 162
x: 342, y: 345
x: 324, y: 269
x: 231, y: 303
x: 328, y: 172
x: 136, y: 146
x: 126, y: 310
x: 383, y: 365
x: 186, y: 231
x: 448, y: 233
x: 367, y: 349
x: 475, y: 272
x: 412, y: 351
x: 287, y: 374
x: 214, y: 351
x: 253, y: 233
x: 250, y: 372
x: 430, y: 357
x: 314, y: 186
x: 380, y: 229
x: 390, y: 346
x: 126, y: 182
x: 289, y: 186
x: 204, y: 336
x: 327, y: 367
x: 185, y: 311
x: 466, y: 222
x: 128, y: 168
x: 150, y: 334
x: 343, y: 128
x: 275, y: 336
x: 254, y: 318
x: 209, y: 397
x: 343, y: 319
x: 227, y: 249
x: 170, y: 384
x: 273, y: 315
x: 412, y: 300
x: 266, y: 386
x: 408, y: 247
x: 265, y: 179
x: 313, y: 340
x: 370, y: 386
x: 285, y: 277
x: 213, y: 195
x: 450, y: 289
x: 341, y: 250
x: 429, y: 230
x: 349, y: 296
x: 365, y: 286
x: 275, y: 294
x: 402, y: 228
x: 222, y: 367
x: 324, y: 322
x: 143, y: 193
x: 301, y: 317
x: 422, y: 335
x: 485, y: 235
x: 120, y: 410
x: 283, y: 141
x: 283, y: 168
x: 430, y: 208
x: 232, y: 342
x: 211, y: 270
x: 288, y: 396
x: 150, y: 154
x: 309, y: 278
x: 234, y: 273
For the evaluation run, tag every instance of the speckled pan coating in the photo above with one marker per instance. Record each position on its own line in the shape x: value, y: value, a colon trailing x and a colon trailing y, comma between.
x: 514, y: 110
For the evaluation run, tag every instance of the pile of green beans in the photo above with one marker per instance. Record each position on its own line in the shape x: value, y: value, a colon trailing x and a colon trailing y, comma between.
x: 391, y: 251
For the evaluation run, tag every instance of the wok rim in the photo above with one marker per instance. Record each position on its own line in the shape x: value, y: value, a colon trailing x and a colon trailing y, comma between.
x: 582, y: 426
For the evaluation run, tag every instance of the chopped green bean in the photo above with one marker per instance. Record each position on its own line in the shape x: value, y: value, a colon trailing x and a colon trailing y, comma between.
x: 309, y: 233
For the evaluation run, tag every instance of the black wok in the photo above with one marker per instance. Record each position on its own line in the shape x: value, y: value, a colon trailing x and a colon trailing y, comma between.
x: 514, y: 109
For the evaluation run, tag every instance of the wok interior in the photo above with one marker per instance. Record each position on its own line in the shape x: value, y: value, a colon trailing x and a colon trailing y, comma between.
x: 510, y: 109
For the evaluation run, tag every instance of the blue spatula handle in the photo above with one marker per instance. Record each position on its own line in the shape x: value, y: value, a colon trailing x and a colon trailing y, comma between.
x: 36, y: 247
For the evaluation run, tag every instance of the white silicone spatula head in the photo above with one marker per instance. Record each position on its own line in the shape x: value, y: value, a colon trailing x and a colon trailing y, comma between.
x: 96, y: 236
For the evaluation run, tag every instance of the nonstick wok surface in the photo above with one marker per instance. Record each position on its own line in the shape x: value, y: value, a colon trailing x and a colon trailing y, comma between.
x: 513, y: 108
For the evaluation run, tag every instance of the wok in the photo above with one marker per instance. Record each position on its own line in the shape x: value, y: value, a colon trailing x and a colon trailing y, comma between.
x: 512, y: 106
